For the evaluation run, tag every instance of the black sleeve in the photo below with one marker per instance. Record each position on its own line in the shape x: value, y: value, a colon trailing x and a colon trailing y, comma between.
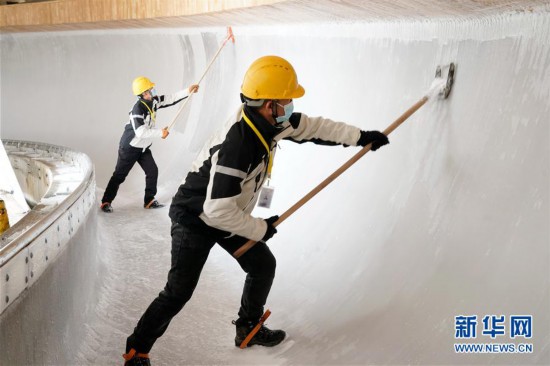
x: 232, y: 166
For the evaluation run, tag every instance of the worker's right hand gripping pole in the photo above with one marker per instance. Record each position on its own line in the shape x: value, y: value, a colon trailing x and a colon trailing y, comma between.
x: 445, y: 86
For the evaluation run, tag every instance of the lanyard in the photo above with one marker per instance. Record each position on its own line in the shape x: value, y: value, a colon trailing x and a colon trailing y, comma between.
x: 270, y: 156
x: 150, y: 111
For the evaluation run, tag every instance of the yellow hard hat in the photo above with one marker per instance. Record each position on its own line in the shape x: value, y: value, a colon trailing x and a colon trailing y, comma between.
x: 141, y: 84
x: 271, y: 77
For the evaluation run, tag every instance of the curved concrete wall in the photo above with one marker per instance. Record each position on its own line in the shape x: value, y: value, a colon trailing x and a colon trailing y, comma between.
x: 47, y: 245
x: 61, y: 184
x: 10, y: 190
x: 33, y: 174
x: 450, y: 219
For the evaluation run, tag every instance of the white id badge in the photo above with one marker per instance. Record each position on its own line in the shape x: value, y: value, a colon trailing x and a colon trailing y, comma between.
x: 266, y: 195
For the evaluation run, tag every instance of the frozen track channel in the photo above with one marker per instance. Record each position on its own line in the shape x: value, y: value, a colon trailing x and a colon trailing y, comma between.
x: 450, y: 219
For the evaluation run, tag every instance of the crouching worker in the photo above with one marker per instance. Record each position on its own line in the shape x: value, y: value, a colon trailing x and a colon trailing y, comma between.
x: 214, y: 203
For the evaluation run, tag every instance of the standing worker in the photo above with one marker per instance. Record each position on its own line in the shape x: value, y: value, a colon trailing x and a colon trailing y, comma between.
x: 137, y: 138
x: 214, y: 203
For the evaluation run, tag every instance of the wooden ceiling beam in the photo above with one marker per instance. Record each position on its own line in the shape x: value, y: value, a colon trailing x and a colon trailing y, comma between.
x: 81, y: 14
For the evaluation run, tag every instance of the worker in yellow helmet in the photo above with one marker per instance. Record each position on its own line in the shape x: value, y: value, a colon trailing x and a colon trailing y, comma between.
x: 215, y: 202
x: 135, y: 143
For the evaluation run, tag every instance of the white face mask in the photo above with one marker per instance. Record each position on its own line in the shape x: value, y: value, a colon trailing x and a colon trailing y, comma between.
x: 289, y: 108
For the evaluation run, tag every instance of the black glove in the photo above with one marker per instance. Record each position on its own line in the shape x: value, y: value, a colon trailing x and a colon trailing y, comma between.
x: 376, y: 138
x: 270, y: 228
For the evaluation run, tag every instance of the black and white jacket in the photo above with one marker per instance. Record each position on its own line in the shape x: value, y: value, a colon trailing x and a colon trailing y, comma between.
x: 140, y: 130
x: 225, y: 180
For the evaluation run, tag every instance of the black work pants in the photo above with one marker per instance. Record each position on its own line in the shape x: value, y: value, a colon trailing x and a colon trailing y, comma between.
x: 127, y: 157
x: 190, y: 248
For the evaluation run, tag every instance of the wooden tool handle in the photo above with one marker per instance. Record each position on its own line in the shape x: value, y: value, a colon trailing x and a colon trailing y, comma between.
x: 249, y: 244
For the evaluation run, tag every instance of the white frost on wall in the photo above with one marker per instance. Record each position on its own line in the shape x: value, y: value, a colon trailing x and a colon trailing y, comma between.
x: 451, y: 218
x: 10, y: 190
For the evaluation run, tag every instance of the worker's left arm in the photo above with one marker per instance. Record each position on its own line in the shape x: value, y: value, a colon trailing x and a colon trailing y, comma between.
x: 322, y: 131
x: 325, y: 131
x: 168, y: 100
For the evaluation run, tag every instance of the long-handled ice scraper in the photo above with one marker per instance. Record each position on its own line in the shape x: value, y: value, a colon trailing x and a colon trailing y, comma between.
x: 439, y: 88
x: 229, y: 36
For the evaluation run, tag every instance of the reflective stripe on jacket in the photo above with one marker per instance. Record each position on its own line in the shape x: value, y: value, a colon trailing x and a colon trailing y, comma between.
x: 140, y: 130
x: 225, y: 180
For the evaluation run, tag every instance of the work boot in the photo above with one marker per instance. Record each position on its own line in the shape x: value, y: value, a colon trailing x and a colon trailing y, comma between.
x: 265, y: 336
x: 133, y: 358
x: 153, y: 204
x: 106, y: 207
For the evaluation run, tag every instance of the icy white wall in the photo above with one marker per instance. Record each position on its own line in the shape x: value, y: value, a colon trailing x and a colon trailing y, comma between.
x: 10, y: 190
x: 450, y: 219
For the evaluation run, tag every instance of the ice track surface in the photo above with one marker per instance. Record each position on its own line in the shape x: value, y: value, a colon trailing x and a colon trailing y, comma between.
x: 449, y: 219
